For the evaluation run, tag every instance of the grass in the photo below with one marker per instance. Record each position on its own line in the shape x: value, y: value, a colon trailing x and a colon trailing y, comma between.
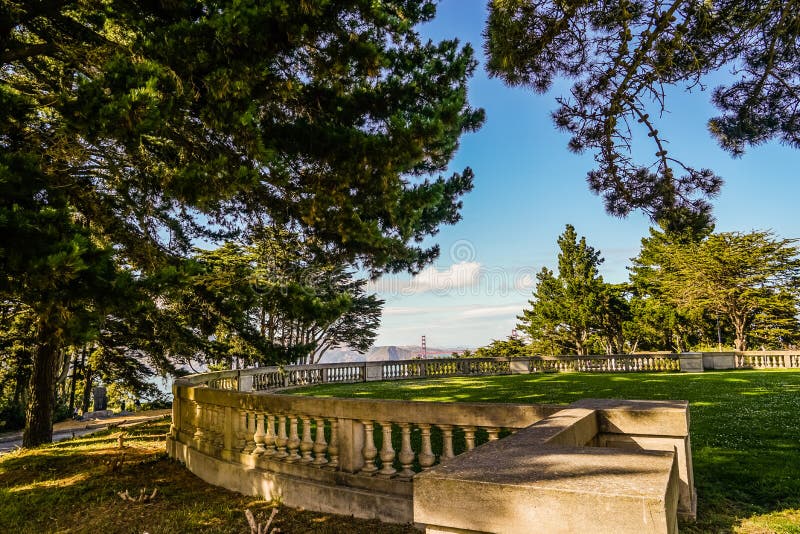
x: 745, y: 438
x: 745, y: 430
x: 72, y: 486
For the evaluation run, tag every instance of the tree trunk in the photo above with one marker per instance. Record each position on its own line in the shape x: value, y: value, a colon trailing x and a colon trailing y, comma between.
x: 75, y: 367
x: 739, y: 320
x: 87, y: 388
x: 42, y: 396
x: 580, y: 343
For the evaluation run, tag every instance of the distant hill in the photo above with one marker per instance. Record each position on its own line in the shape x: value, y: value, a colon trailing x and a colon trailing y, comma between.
x: 385, y: 352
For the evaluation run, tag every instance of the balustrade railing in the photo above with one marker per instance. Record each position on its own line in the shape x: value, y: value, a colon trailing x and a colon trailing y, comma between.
x: 276, y: 378
x: 607, y: 364
x: 763, y: 359
x: 385, y: 439
x: 363, y: 456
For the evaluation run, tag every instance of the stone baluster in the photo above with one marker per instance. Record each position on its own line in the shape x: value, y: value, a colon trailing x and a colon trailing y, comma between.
x: 211, y: 434
x: 219, y: 436
x: 369, y: 451
x: 259, y: 436
x: 269, y: 437
x: 320, y: 446
x: 387, y: 452
x: 294, y: 440
x: 250, y: 430
x: 333, y: 447
x: 406, y: 455
x: 469, y: 436
x: 447, y: 442
x: 494, y: 433
x: 281, y: 439
x: 426, y: 457
x: 306, y: 445
x: 198, y: 425
x: 241, y: 432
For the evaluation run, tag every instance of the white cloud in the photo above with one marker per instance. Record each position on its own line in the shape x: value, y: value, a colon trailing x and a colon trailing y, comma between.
x: 431, y: 279
x: 493, y: 311
x: 464, y: 274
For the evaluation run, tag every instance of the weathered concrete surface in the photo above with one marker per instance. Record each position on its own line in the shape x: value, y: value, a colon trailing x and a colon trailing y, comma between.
x: 519, y: 367
x: 717, y: 361
x: 661, y: 425
x: 329, y: 492
x: 553, y: 475
x: 515, y: 485
x: 691, y: 362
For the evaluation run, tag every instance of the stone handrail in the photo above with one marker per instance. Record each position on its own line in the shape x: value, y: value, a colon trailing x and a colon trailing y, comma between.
x: 374, y: 445
x: 274, y: 378
x: 766, y: 359
x: 620, y: 363
x: 361, y: 457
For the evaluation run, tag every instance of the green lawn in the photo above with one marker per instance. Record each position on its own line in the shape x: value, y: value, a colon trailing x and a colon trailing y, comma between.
x: 72, y: 486
x: 745, y: 430
x: 745, y: 437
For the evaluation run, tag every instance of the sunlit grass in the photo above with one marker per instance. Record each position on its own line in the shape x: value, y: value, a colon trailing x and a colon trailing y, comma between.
x: 745, y: 430
x: 72, y: 487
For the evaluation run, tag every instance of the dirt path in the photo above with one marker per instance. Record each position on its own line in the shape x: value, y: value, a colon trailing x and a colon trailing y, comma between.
x: 10, y: 441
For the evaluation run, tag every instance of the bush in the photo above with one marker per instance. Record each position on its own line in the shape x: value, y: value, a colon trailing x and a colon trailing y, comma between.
x: 12, y: 417
x: 61, y: 412
x: 158, y: 402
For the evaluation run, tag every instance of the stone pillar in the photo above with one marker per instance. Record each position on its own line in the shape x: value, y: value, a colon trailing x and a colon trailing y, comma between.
x: 719, y: 360
x: 374, y: 371
x: 519, y: 366
x: 175, y: 427
x: 351, y: 443
x: 691, y: 362
x: 228, y: 421
x: 246, y: 383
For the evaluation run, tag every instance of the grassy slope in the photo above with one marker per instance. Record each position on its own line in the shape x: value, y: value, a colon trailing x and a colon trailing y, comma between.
x: 745, y: 430
x: 745, y: 436
x: 72, y: 487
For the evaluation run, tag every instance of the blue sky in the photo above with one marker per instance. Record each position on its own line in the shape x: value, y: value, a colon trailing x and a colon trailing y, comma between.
x: 528, y: 186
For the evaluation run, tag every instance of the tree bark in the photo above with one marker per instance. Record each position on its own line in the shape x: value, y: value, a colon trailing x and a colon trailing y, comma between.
x: 739, y: 321
x: 75, y: 367
x: 42, y: 396
x: 87, y: 388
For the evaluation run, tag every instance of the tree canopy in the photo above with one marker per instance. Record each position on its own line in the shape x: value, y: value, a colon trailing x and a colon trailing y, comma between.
x: 686, y: 291
x: 129, y: 130
x: 752, y: 280
x: 565, y: 308
x: 275, y: 299
x: 622, y: 57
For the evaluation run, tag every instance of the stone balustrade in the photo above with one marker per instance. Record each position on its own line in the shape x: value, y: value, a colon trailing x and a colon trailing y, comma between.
x: 363, y: 457
x: 623, y: 363
x: 296, y: 448
x: 763, y: 359
x: 277, y: 378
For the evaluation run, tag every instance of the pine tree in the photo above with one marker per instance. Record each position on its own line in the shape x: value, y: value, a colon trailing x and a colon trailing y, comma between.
x: 130, y: 129
x: 623, y: 55
x: 565, y: 309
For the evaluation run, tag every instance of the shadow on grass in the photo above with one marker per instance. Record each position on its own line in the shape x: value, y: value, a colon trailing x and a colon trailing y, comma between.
x: 59, y: 488
x: 744, y: 429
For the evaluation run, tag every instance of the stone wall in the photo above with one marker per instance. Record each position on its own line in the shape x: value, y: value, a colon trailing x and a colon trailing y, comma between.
x: 400, y: 461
